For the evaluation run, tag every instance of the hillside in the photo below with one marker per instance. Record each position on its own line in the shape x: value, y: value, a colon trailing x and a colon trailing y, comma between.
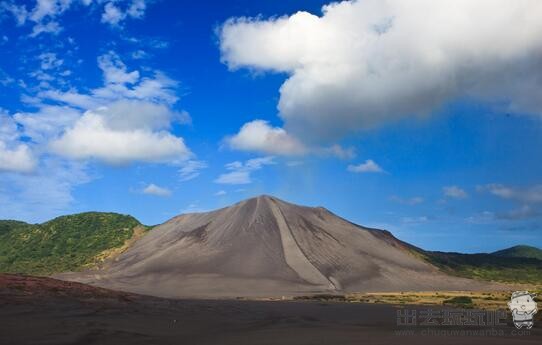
x: 491, y: 267
x: 67, y: 243
x: 520, y: 252
x: 268, y: 247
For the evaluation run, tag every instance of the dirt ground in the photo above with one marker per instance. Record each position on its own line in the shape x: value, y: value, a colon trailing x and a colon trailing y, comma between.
x: 47, y: 311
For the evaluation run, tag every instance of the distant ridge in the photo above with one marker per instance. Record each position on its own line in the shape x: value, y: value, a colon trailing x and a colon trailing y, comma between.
x: 520, y: 251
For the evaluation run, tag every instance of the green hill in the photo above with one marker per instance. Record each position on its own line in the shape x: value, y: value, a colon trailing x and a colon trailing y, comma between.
x: 492, y: 267
x: 67, y: 243
x: 520, y: 252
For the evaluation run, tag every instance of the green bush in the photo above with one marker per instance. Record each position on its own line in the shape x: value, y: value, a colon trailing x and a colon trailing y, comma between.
x: 459, y: 300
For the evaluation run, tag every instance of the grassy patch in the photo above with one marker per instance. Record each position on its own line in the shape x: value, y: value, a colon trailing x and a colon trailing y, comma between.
x: 459, y: 301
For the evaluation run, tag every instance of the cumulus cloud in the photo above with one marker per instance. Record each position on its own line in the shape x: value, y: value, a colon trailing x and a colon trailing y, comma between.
x: 368, y: 167
x: 14, y: 155
x: 153, y: 189
x: 129, y: 119
x: 362, y: 64
x: 259, y: 136
x: 454, y: 192
x: 240, y: 173
x: 46, y: 123
x: 16, y: 159
x: 139, y: 136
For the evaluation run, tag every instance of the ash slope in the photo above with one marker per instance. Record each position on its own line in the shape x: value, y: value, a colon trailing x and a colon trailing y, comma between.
x: 267, y: 247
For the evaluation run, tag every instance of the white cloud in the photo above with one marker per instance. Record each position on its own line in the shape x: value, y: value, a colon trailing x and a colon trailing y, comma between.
x: 50, y: 27
x: 48, y: 122
x: 193, y: 208
x: 531, y: 194
x: 115, y: 70
x: 16, y: 159
x: 523, y: 212
x: 191, y: 169
x: 140, y: 54
x: 259, y: 136
x: 49, y: 61
x: 368, y: 167
x: 365, y: 63
x: 20, y: 13
x: 98, y: 135
x: 14, y: 155
x: 240, y: 173
x: 153, y: 189
x: 221, y: 193
x: 454, y: 192
x: 49, y: 8
x: 8, y: 127
x: 43, y: 194
x: 338, y: 151
x: 71, y: 98
x: 113, y: 15
x: 46, y: 13
x: 408, y: 201
x: 137, y: 9
x: 119, y: 83
x: 528, y: 200
x: 128, y: 119
x: 44, y: 16
x: 235, y: 177
x: 415, y: 220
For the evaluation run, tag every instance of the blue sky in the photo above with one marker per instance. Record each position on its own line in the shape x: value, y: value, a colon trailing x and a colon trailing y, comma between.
x: 155, y: 108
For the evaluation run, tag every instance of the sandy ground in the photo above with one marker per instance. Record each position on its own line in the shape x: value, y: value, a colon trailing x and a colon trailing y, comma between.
x: 46, y: 311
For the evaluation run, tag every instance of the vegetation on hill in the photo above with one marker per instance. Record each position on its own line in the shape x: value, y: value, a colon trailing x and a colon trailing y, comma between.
x: 488, y: 266
x: 67, y: 243
x: 520, y: 252
x: 7, y: 225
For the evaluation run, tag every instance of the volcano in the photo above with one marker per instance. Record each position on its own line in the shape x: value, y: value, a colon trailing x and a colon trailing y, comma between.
x: 268, y: 247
